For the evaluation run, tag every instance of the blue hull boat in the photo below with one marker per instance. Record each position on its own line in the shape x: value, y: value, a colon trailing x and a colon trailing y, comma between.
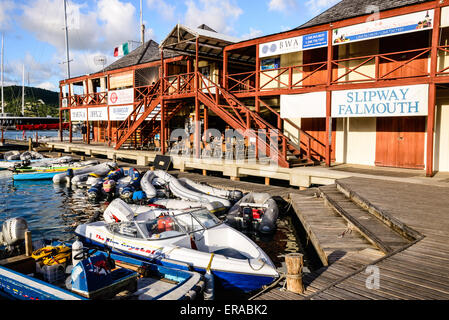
x: 34, y: 176
x: 158, y: 282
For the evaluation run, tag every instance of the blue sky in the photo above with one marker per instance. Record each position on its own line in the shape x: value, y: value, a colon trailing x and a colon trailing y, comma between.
x: 34, y: 35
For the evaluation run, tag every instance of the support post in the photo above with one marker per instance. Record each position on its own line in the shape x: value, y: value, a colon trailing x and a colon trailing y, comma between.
x: 295, y: 263
x: 432, y: 93
x: 28, y: 244
x: 330, y: 54
x: 197, y: 135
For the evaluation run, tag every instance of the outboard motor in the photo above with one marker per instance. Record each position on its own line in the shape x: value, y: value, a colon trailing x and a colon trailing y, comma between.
x: 133, y: 186
x: 247, y: 215
x: 118, y: 211
x: 12, y: 235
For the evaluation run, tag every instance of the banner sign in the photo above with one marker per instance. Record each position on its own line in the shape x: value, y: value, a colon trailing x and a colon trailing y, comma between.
x: 121, y: 97
x: 78, y: 114
x: 403, y: 101
x: 296, y: 44
x: 306, y: 105
x: 120, y: 113
x: 98, y: 114
x: 270, y: 64
x: 385, y: 27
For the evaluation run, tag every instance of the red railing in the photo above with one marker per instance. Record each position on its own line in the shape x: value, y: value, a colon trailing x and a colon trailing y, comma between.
x: 97, y: 98
x: 443, y: 65
x: 179, y: 84
x: 378, y: 67
x: 370, y: 68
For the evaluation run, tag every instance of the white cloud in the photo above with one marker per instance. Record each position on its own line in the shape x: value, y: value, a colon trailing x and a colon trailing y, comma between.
x: 47, y: 86
x: 94, y: 29
x: 253, y: 33
x: 282, y: 5
x: 318, y: 6
x: 220, y: 15
x: 6, y: 6
x: 167, y: 11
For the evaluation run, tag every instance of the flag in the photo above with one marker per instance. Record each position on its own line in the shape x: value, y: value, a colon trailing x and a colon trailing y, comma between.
x: 121, y: 50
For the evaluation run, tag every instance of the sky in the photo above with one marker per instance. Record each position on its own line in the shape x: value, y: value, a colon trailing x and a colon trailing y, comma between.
x: 34, y: 33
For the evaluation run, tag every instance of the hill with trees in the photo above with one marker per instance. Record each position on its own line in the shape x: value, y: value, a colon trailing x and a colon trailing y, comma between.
x: 38, y: 102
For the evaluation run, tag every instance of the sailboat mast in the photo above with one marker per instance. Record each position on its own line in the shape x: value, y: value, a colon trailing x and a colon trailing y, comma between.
x: 23, y: 90
x: 3, y: 99
x: 66, y: 39
x: 142, y: 26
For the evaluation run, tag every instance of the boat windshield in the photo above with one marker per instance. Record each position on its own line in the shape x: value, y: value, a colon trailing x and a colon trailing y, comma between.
x: 194, y: 221
x: 166, y: 226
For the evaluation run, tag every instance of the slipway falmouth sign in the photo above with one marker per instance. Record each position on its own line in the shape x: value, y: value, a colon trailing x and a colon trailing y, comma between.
x: 403, y: 101
x: 295, y: 44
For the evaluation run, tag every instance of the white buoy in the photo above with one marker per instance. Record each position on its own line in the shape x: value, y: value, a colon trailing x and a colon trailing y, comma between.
x: 77, y: 247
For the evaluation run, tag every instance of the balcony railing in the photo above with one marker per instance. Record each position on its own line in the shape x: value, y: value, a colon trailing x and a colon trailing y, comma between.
x: 370, y: 68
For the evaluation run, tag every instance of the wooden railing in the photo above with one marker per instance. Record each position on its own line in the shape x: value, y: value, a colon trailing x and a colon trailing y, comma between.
x: 138, y: 111
x: 370, y: 68
x: 97, y: 98
x: 179, y: 84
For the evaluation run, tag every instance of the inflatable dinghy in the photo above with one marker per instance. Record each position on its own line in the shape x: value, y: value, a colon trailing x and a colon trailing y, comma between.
x: 82, y: 175
x: 257, y: 210
x: 232, y: 195
x: 216, y: 208
x: 181, y: 190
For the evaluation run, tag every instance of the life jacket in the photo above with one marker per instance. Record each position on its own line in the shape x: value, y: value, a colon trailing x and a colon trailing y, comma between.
x: 52, y: 255
x: 164, y: 224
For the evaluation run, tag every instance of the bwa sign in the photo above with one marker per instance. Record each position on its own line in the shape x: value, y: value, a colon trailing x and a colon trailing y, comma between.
x: 295, y: 44
x: 403, y: 101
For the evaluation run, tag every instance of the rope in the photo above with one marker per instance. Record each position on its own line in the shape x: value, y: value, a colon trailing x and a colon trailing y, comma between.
x: 269, y: 287
x: 210, y: 262
x: 263, y: 264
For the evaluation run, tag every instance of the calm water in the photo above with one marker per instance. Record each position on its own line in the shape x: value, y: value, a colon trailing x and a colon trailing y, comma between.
x: 53, y: 212
x: 19, y: 135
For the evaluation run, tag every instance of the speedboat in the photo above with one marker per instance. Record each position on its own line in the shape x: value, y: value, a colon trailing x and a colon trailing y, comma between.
x: 194, y: 237
x: 60, y: 271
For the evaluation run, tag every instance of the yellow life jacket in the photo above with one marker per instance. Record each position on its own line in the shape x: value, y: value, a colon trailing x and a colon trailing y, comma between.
x: 52, y: 255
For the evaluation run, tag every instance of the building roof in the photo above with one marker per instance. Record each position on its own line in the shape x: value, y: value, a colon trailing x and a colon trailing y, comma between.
x: 181, y: 37
x: 148, y: 52
x: 347, y: 9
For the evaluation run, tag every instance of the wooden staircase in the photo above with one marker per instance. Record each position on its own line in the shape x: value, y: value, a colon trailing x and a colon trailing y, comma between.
x: 273, y: 144
x: 138, y: 116
x: 278, y: 146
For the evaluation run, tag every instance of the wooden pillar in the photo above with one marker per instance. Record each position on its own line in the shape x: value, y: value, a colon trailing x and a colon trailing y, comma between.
x: 225, y: 69
x: 330, y: 54
x: 432, y: 93
x: 163, y: 131
x: 163, y: 106
x: 28, y: 244
x: 294, y: 262
x: 197, y: 135
x: 61, y: 136
x: 88, y: 126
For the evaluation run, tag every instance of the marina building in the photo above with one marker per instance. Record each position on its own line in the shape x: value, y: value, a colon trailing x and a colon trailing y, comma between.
x: 365, y: 82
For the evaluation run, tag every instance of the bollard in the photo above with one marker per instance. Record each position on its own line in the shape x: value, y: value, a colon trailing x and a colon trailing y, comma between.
x: 28, y: 244
x: 30, y: 144
x: 294, y: 262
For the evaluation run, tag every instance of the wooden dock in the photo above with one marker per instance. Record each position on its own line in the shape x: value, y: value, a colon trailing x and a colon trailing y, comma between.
x: 400, y: 228
x: 411, y: 259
